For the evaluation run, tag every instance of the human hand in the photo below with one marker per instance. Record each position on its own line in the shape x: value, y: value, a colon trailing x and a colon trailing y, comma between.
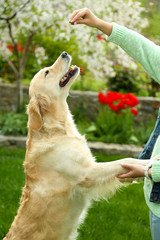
x: 84, y: 16
x: 134, y: 171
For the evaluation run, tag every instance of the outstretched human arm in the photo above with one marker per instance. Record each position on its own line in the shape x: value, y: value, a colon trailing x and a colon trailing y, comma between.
x: 134, y: 44
x: 137, y: 170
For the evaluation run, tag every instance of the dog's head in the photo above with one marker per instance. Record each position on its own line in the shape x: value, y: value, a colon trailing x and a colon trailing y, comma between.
x: 50, y: 87
x: 56, y: 80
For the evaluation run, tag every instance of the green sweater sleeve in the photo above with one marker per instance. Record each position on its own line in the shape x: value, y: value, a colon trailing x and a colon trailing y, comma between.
x: 156, y: 171
x: 156, y: 162
x: 139, y: 48
x: 148, y: 55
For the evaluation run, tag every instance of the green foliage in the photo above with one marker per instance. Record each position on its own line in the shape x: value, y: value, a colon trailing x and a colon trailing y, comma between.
x: 113, y: 127
x: 54, y: 49
x: 144, y: 130
x: 110, y: 127
x: 1, y: 63
x: 87, y: 82
x: 13, y: 124
x: 153, y: 15
x: 124, y: 81
x: 124, y: 217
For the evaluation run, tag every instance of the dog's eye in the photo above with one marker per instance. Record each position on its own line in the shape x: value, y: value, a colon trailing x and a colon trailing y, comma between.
x: 46, y: 72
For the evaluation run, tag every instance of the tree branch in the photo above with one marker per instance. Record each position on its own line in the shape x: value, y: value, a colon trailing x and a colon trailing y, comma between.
x: 28, y: 45
x: 10, y: 28
x: 11, y: 65
x: 26, y: 49
x: 12, y: 39
x: 11, y: 17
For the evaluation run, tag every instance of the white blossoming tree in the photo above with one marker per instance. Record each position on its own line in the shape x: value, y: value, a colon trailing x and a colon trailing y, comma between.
x: 28, y: 17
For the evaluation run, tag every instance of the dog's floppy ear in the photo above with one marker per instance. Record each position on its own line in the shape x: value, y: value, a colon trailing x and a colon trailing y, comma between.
x: 37, y: 107
x: 33, y: 110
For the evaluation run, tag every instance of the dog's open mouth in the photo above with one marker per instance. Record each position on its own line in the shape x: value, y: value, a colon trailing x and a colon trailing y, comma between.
x: 68, y: 76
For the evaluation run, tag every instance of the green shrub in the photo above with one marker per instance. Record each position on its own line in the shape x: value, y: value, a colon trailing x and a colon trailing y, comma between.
x: 108, y: 127
x: 13, y: 124
x: 125, y: 81
x: 144, y: 130
x: 87, y: 82
x: 111, y: 127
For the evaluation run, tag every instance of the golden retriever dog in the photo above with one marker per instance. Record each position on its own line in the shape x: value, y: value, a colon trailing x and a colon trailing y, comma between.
x: 62, y: 176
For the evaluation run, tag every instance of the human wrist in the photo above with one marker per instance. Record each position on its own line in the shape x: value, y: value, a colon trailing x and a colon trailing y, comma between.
x: 103, y: 26
x: 142, y: 172
x: 148, y: 170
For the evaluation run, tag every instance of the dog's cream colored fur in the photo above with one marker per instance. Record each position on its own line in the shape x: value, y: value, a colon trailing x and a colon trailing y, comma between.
x: 62, y: 176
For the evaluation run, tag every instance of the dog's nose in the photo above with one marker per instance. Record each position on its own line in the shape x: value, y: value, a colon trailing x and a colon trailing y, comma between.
x: 64, y: 54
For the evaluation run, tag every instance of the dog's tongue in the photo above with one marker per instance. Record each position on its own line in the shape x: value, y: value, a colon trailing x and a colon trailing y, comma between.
x: 67, y: 74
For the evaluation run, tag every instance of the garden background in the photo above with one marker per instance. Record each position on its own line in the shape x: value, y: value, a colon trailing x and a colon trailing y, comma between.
x: 33, y: 36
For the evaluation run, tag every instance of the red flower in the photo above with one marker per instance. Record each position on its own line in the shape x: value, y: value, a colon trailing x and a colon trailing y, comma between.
x: 131, y: 100
x: 114, y: 107
x: 112, y: 97
x: 81, y: 69
x: 121, y: 105
x: 19, y: 47
x: 102, y: 98
x: 100, y: 38
x: 117, y: 101
x: 10, y: 47
x: 134, y: 111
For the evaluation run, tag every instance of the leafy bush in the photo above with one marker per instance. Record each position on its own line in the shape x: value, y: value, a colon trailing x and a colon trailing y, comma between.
x: 144, y: 130
x: 87, y: 82
x: 124, y: 81
x: 13, y: 124
x: 110, y: 127
x: 115, y: 121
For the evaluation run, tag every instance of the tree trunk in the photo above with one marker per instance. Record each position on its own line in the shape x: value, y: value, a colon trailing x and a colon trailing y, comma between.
x: 19, y: 93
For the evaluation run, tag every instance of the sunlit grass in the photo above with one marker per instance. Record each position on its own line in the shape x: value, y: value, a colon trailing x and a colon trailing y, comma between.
x: 125, y: 217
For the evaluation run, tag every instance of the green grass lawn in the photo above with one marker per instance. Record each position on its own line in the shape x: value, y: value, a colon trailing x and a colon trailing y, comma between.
x: 124, y: 217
